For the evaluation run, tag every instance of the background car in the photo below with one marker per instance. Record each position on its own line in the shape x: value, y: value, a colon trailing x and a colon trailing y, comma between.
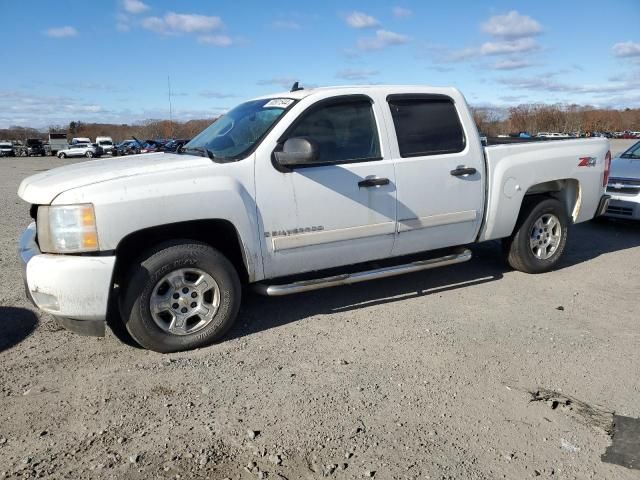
x: 81, y: 150
x: 7, y: 150
x: 151, y: 146
x: 624, y: 185
x: 127, y: 147
x: 174, y: 145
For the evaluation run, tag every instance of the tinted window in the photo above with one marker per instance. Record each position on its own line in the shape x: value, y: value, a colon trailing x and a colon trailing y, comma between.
x: 426, y: 126
x: 343, y: 131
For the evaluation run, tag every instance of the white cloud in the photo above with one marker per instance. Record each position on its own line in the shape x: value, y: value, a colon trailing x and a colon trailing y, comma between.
x: 511, y: 46
x: 626, y: 49
x: 356, y: 74
x: 134, y: 6
x: 361, y: 20
x: 217, y: 40
x: 511, y: 64
x: 61, y: 32
x: 512, y: 25
x: 400, y: 12
x: 382, y: 39
x: 173, y: 23
x: 286, y: 25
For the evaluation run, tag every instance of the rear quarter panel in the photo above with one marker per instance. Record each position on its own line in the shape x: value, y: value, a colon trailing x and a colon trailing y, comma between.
x: 512, y: 170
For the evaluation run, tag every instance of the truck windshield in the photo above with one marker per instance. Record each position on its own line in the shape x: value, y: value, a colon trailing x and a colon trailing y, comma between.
x: 238, y: 132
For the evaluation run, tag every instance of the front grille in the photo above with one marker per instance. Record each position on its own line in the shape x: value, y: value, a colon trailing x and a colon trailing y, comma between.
x: 620, y: 210
x: 627, y: 186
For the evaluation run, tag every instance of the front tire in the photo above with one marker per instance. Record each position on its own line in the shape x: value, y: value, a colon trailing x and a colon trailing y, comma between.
x: 88, y: 155
x: 180, y: 296
x: 62, y: 155
x: 540, y: 236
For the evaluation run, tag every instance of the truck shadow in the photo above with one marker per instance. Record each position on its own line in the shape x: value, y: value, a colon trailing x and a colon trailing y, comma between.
x: 587, y: 241
x: 17, y: 324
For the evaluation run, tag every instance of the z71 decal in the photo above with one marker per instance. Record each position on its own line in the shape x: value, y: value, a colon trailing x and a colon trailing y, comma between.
x: 587, y: 162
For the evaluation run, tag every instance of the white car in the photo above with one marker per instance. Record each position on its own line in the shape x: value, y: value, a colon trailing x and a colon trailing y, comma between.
x: 624, y: 185
x: 79, y: 150
x: 293, y: 192
x: 106, y: 144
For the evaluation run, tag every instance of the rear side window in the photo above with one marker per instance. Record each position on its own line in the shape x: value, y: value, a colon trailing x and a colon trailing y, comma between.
x: 426, y: 126
x: 344, y: 131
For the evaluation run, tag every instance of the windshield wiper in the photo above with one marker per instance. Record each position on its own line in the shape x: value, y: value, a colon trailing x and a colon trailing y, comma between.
x: 202, y: 151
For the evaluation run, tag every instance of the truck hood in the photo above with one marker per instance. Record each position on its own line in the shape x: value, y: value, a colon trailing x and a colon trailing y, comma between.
x: 625, y: 168
x: 43, y: 187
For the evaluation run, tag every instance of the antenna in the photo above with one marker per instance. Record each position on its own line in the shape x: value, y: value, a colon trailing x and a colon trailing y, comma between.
x: 170, y: 107
x: 296, y: 87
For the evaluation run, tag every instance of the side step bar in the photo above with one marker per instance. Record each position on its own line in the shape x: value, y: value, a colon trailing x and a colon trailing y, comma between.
x: 349, y: 278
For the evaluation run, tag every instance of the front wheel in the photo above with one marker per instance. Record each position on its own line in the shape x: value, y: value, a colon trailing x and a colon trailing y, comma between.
x: 181, y: 295
x: 62, y: 155
x: 540, y: 236
x: 89, y: 154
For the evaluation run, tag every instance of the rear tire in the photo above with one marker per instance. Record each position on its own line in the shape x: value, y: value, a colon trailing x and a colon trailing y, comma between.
x: 165, y: 307
x: 540, y: 236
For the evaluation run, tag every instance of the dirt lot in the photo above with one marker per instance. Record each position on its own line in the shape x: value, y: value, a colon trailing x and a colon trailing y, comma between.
x: 422, y: 376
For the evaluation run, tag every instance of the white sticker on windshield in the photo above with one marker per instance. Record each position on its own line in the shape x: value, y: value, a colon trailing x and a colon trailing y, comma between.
x: 278, y: 102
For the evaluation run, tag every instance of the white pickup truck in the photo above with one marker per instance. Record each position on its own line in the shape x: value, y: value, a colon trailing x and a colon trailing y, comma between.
x: 293, y: 192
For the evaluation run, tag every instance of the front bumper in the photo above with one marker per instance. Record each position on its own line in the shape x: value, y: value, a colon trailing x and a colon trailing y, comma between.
x: 73, y: 288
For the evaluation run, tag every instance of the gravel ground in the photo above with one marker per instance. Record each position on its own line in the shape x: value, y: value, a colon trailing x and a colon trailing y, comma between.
x: 427, y: 375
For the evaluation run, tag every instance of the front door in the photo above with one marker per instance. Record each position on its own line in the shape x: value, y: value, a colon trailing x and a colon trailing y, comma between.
x: 338, y: 210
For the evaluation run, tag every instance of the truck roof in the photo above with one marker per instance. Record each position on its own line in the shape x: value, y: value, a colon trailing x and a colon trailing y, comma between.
x: 346, y: 89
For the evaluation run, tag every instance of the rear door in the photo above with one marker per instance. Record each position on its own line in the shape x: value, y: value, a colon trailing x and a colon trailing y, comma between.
x: 439, y: 172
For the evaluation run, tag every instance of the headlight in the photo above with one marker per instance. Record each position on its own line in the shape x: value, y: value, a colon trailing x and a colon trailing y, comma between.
x: 67, y: 229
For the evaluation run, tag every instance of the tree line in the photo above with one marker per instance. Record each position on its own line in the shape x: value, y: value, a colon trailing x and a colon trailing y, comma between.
x: 534, y: 118
x: 150, y: 129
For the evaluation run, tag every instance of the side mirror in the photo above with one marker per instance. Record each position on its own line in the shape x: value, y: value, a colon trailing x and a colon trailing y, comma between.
x: 297, y: 151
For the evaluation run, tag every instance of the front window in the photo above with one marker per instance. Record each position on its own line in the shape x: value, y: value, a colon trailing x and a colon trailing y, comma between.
x: 239, y: 131
x: 105, y: 142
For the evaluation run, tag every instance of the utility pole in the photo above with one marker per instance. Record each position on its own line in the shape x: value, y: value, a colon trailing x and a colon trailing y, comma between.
x: 170, y: 107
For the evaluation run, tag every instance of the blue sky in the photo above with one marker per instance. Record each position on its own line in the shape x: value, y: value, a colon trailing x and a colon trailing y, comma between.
x: 109, y: 60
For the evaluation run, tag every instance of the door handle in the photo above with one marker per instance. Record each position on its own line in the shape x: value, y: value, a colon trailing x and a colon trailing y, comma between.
x: 373, y: 182
x: 462, y: 170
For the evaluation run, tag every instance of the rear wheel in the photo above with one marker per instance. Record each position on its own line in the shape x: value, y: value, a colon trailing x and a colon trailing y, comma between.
x: 181, y: 295
x: 540, y: 236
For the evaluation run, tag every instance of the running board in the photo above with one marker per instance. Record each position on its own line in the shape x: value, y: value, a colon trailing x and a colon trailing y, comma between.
x: 349, y: 278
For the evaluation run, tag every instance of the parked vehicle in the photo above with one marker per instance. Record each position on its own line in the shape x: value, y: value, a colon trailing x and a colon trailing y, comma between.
x: 106, y: 144
x: 88, y: 150
x: 7, y: 150
x: 127, y: 147
x: 290, y: 193
x: 77, y: 140
x: 57, y: 142
x: 172, y: 146
x: 151, y: 146
x: 32, y: 147
x: 624, y: 185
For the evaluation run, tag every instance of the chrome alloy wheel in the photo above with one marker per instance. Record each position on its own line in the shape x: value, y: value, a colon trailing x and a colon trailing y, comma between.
x: 184, y: 301
x: 545, y: 236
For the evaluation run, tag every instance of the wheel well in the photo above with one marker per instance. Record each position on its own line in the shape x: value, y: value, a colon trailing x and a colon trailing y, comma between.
x: 566, y: 191
x: 220, y: 234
